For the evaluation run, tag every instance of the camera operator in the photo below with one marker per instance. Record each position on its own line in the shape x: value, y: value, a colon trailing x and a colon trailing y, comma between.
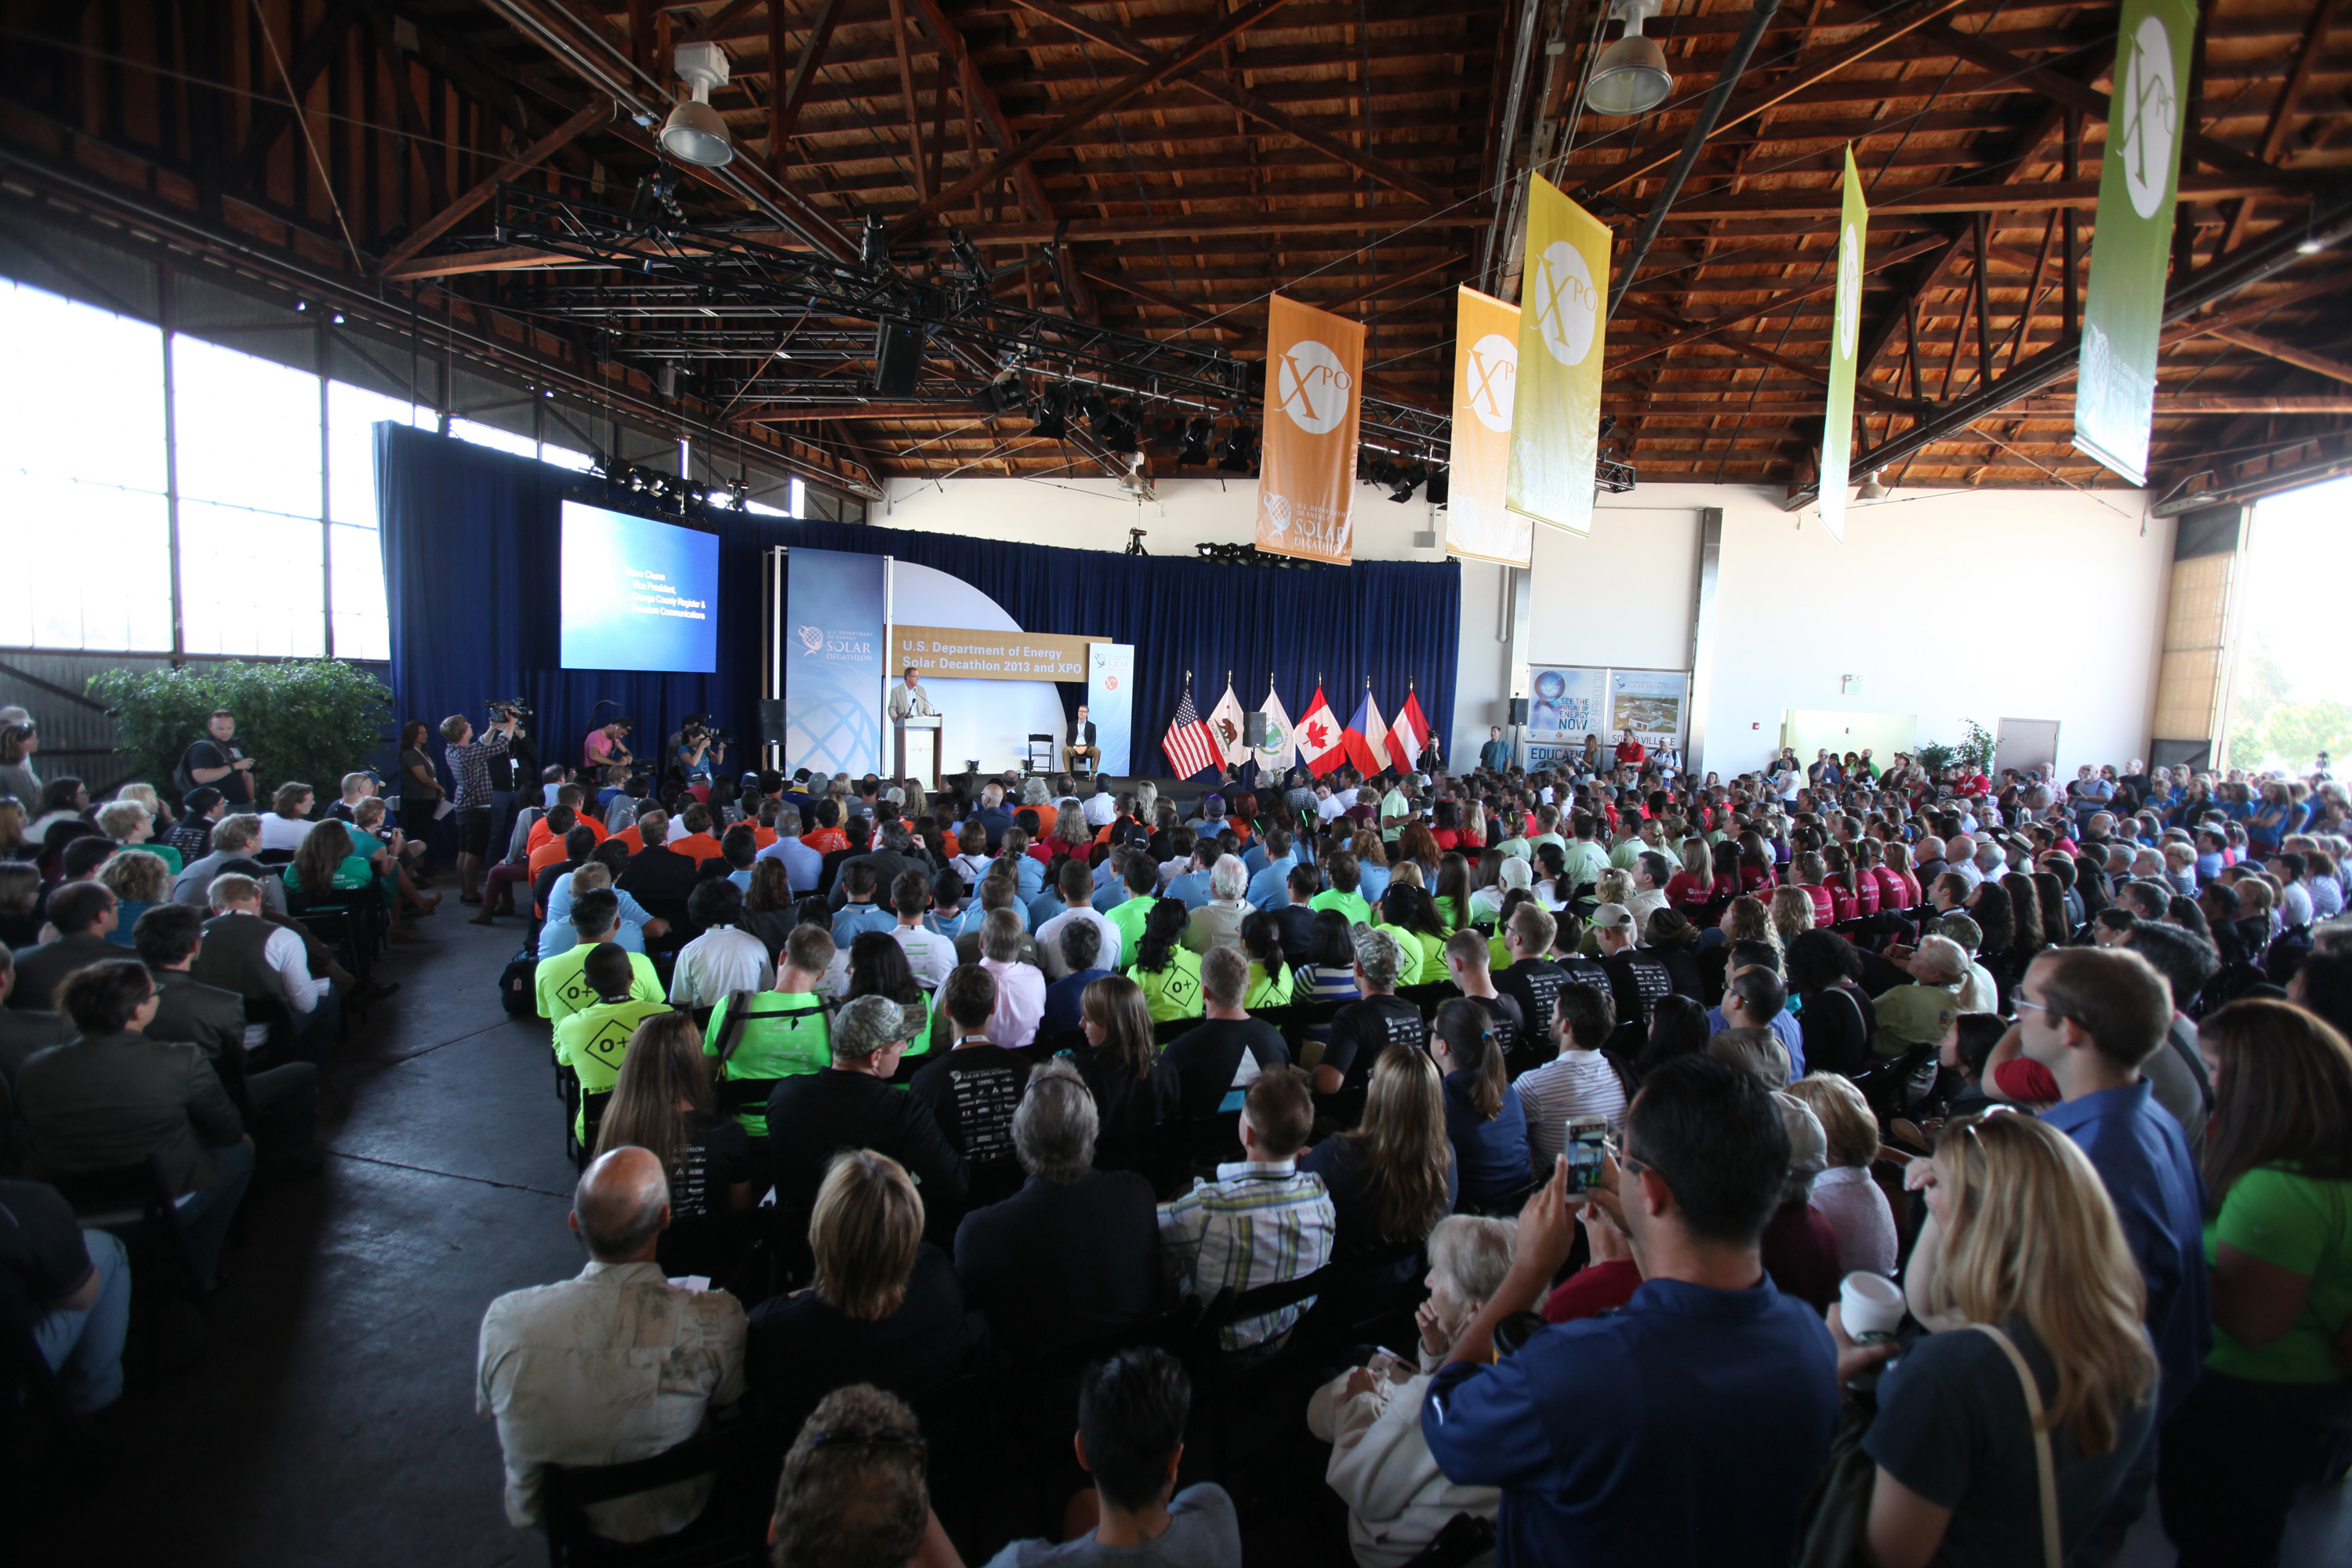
x: 695, y: 747
x: 513, y: 771
x: 469, y: 763
x: 608, y: 745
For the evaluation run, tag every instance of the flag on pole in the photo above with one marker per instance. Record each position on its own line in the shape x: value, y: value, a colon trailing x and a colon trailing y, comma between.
x: 1409, y: 734
x: 1188, y: 746
x: 1225, y: 728
x: 1366, y: 739
x: 1279, y: 753
x: 1320, y: 744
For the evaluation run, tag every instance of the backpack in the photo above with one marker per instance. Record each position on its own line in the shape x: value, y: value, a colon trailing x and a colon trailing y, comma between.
x: 184, y: 779
x: 518, y: 984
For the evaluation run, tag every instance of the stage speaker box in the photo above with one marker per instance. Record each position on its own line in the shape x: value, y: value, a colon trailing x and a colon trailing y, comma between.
x: 1518, y: 709
x: 898, y: 357
x: 1254, y: 731
x: 771, y: 720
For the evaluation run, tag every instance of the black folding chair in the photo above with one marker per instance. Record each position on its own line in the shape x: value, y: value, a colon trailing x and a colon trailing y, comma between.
x: 741, y: 1460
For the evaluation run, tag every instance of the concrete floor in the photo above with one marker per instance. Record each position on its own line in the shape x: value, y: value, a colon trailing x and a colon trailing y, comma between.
x: 332, y: 1419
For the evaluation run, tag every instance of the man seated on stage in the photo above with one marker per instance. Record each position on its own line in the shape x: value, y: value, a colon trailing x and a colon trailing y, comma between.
x: 1079, y: 750
x: 909, y: 699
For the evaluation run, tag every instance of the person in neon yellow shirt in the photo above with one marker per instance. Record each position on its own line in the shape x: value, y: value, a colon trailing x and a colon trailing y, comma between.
x: 563, y: 987
x: 1170, y: 976
x: 593, y: 1041
x: 1341, y: 894
x: 782, y: 1033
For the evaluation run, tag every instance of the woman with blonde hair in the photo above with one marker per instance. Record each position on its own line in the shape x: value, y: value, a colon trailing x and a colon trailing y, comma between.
x: 1371, y: 866
x: 2023, y: 1268
x: 883, y: 1307
x: 139, y: 882
x: 1792, y: 914
x: 2269, y: 1411
x: 1393, y: 1177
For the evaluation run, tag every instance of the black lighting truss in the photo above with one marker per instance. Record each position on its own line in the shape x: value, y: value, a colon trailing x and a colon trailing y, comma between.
x: 709, y: 294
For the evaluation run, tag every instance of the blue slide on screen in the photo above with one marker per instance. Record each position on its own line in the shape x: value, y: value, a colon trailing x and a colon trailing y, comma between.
x: 637, y: 594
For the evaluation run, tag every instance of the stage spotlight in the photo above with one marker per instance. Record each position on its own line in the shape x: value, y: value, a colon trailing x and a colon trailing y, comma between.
x: 1194, y: 453
x: 1111, y: 427
x: 1050, y: 413
x: 695, y: 133
x: 1439, y: 487
x: 1405, y: 481
x: 1236, y: 457
x: 1608, y: 424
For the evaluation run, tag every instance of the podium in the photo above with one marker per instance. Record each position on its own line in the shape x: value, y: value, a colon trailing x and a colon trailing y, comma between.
x: 915, y: 752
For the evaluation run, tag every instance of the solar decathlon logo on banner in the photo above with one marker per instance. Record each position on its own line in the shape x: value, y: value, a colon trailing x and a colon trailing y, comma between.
x: 818, y: 643
x: 1312, y: 385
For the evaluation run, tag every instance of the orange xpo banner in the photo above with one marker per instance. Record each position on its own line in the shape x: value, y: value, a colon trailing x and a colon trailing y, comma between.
x: 1306, y: 477
x: 1486, y: 378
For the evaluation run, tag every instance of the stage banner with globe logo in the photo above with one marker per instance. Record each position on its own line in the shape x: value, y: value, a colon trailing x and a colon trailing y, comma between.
x: 1307, y: 478
x: 1565, y: 703
x: 1110, y: 702
x: 1845, y: 338
x: 1486, y: 384
x: 1556, y: 408
x: 834, y: 645
x: 2139, y: 176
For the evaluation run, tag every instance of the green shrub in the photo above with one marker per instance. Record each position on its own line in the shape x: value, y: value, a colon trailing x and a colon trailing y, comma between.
x: 312, y: 720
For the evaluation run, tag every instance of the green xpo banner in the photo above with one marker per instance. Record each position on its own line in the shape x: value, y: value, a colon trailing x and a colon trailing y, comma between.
x: 2139, y: 176
x: 1845, y: 342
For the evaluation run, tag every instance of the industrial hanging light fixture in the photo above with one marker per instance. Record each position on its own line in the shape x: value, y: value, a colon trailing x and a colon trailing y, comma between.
x: 1870, y: 488
x: 1631, y: 77
x: 695, y: 133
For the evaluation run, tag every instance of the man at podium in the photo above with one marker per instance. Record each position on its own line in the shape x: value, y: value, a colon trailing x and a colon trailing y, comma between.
x: 908, y: 699
x: 1080, y: 747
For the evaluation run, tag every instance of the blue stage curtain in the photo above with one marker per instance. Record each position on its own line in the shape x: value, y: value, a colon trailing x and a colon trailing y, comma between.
x: 470, y: 545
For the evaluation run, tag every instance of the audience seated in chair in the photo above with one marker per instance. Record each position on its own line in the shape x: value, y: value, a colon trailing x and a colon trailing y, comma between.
x: 84, y: 916
x: 614, y: 1365
x: 594, y: 1040
x: 1398, y: 1499
x: 724, y: 958
x: 71, y: 1286
x: 765, y: 1036
x: 263, y: 962
x: 1214, y: 1063
x: 882, y: 1307
x: 852, y: 1490
x: 973, y: 1087
x: 280, y: 1103
x: 1261, y: 1222
x: 1131, y: 1414
x: 1485, y: 1122
x: 113, y: 1098
x: 1392, y: 1176
x: 562, y: 982
x: 662, y: 1103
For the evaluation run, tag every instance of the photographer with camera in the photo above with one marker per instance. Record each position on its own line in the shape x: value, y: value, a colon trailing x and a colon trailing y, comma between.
x: 514, y: 771
x: 469, y: 763
x: 695, y: 748
x: 214, y: 759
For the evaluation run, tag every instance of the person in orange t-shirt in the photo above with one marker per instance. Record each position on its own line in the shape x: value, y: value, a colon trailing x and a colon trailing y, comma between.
x: 698, y: 845
x: 558, y: 821
x: 573, y: 796
x: 826, y: 837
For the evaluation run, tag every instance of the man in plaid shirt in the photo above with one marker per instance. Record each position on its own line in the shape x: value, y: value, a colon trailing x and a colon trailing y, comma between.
x: 469, y: 763
x: 1263, y: 1221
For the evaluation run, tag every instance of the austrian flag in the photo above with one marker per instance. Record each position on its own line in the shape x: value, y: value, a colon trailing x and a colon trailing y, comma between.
x: 1409, y: 734
x: 1320, y: 737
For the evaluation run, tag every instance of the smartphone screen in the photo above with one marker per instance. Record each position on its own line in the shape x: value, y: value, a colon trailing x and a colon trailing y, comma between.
x: 1587, y: 1136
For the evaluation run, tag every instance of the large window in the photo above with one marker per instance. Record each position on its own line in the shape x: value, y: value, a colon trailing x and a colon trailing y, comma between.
x: 2292, y: 696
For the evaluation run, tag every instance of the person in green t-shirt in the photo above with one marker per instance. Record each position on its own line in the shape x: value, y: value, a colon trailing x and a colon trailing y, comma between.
x: 1142, y: 893
x: 563, y: 987
x: 1169, y: 972
x: 1341, y: 894
x: 2267, y: 1416
x: 591, y: 1041
x: 1269, y: 969
x: 1919, y: 1014
x: 782, y: 1033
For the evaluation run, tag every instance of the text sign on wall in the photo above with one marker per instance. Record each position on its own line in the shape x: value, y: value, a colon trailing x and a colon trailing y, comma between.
x: 984, y: 656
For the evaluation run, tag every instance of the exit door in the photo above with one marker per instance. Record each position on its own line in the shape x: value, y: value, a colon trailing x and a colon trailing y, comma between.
x: 2025, y: 745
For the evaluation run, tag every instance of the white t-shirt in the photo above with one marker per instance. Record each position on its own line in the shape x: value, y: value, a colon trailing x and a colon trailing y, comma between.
x: 930, y: 955
x: 721, y: 959
x: 283, y: 832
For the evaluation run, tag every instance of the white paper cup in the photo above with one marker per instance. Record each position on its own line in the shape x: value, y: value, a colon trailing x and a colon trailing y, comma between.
x: 1870, y: 1304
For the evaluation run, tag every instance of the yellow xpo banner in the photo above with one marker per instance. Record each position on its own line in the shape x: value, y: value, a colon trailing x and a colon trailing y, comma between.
x: 1486, y: 385
x: 1556, y: 417
x: 1307, y: 478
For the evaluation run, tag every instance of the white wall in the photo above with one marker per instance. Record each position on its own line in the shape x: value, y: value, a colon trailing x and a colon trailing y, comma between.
x: 1951, y: 606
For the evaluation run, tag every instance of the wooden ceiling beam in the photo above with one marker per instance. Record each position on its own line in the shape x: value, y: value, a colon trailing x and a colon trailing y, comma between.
x: 2286, y: 353
x: 2290, y: 98
x: 1092, y: 107
x: 784, y: 108
x: 1713, y: 324
x: 591, y: 115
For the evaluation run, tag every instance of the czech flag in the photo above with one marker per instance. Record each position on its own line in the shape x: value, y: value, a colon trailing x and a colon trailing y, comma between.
x: 1321, y: 745
x: 1409, y: 734
x: 1366, y: 739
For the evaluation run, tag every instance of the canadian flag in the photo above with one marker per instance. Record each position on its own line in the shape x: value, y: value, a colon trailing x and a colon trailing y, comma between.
x: 1321, y: 742
x: 1367, y: 738
x: 1409, y: 734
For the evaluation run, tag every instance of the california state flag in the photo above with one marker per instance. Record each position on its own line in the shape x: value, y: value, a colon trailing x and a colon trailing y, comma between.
x: 1225, y: 724
x: 1320, y: 742
x: 1409, y: 734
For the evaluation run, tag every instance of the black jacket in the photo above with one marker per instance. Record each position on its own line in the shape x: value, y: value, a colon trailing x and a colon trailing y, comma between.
x: 1060, y: 1263
x: 813, y: 1116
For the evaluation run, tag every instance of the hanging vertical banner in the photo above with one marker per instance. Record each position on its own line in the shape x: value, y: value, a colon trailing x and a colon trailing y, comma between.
x: 835, y: 604
x: 1307, y: 478
x: 1485, y: 382
x: 1556, y: 412
x: 1845, y: 341
x: 1110, y: 702
x: 2114, y: 389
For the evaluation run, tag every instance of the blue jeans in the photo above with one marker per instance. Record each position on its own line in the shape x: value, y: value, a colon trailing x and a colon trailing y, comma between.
x: 85, y: 1348
x: 206, y: 1213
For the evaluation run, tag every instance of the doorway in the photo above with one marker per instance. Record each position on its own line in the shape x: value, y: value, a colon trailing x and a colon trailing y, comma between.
x: 2027, y: 745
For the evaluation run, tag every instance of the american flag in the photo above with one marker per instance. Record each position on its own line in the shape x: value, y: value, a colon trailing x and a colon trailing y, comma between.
x: 1189, y: 748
